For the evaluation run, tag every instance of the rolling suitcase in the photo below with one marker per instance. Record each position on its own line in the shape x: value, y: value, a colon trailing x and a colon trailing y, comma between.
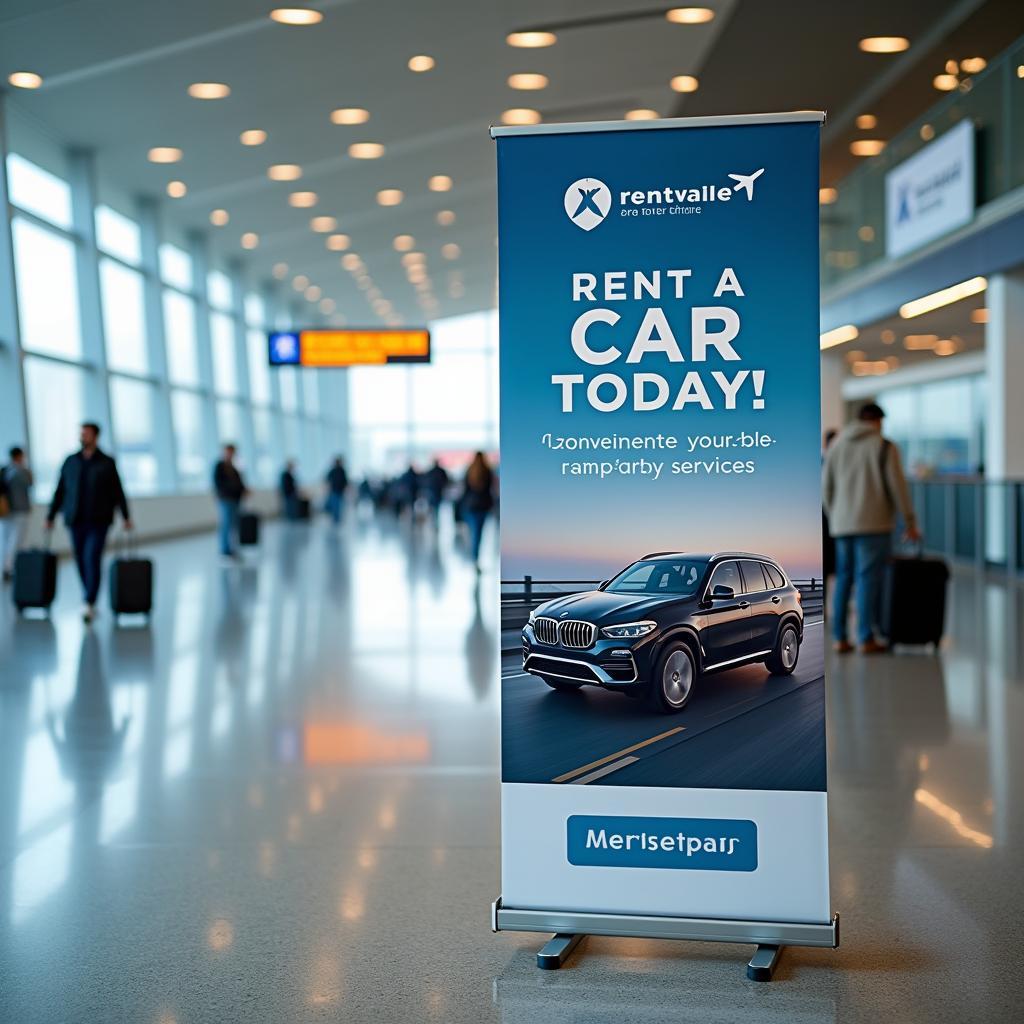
x: 914, y: 600
x: 35, y: 579
x: 248, y: 528
x: 303, y: 508
x: 131, y: 584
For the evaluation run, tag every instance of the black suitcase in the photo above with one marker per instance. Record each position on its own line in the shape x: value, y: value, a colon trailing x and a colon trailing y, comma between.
x: 248, y: 528
x: 35, y: 579
x: 914, y: 600
x: 303, y: 508
x: 131, y: 586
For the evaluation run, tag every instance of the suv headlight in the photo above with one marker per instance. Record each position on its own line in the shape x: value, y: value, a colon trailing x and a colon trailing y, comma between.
x: 533, y: 615
x: 628, y: 630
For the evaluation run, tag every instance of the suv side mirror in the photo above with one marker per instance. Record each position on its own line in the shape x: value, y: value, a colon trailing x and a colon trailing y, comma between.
x: 722, y: 593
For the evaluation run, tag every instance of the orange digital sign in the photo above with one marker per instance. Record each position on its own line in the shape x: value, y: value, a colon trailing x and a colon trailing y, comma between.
x: 327, y: 347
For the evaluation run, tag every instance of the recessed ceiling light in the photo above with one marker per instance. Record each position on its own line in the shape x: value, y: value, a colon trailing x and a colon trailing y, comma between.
x: 642, y: 114
x: 300, y: 282
x: 866, y: 233
x: 531, y: 40
x: 684, y: 83
x: 520, y: 115
x: 865, y: 122
x: 527, y: 80
x: 689, y: 15
x: 445, y: 218
x: 867, y: 147
x: 351, y: 260
x: 338, y: 243
x: 451, y: 251
x: 280, y: 271
x: 946, y: 82
x: 284, y: 172
x: 412, y: 258
x: 365, y: 150
x: 350, y: 115
x: 884, y: 44
x: 327, y: 305
x: 390, y: 196
x: 440, y: 183
x: 219, y: 217
x: 972, y: 65
x: 946, y: 347
x: 25, y: 79
x: 888, y: 336
x: 323, y: 224
x: 421, y: 62
x: 838, y: 336
x: 209, y: 90
x: 176, y: 189
x: 1020, y: 70
x: 253, y: 137
x: 164, y: 155
x: 313, y: 292
x: 250, y: 240
x: 827, y: 195
x: 952, y: 67
x: 296, y: 16
x: 979, y: 316
x: 927, y: 132
x: 403, y: 243
x: 303, y: 200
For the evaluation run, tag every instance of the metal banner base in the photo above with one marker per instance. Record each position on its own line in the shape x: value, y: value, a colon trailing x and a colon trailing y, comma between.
x: 570, y: 927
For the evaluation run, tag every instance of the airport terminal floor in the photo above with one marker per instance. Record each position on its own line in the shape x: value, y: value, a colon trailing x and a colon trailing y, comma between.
x: 279, y: 802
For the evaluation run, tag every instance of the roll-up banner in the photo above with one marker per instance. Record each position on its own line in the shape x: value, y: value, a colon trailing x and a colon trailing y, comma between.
x: 663, y: 710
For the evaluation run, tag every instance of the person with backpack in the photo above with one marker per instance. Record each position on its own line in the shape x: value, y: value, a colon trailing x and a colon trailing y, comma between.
x: 863, y: 490
x: 15, y: 507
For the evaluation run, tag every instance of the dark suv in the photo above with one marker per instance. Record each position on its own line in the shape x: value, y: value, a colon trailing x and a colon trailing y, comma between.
x: 666, y: 620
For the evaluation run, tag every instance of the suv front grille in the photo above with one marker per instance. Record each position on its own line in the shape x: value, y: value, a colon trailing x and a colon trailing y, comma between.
x: 578, y: 634
x: 546, y: 630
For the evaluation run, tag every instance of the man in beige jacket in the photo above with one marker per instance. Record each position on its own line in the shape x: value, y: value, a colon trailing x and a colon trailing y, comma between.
x: 863, y: 489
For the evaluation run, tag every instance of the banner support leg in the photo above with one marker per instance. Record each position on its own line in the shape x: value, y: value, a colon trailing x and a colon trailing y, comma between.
x: 557, y: 950
x: 763, y: 963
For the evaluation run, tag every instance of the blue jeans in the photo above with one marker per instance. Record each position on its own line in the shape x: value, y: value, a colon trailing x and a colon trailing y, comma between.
x: 228, y: 525
x: 88, y: 540
x: 475, y: 521
x: 860, y: 562
x: 335, y: 505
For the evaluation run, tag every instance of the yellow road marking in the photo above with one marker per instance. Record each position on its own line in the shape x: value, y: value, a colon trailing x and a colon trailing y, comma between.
x: 618, y: 753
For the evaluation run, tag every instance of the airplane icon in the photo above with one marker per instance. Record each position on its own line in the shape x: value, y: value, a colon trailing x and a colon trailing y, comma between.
x: 746, y: 182
x: 587, y: 202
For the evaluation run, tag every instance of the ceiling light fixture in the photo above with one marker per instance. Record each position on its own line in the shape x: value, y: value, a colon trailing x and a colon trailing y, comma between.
x: 164, y: 155
x: 867, y: 147
x: 884, y: 44
x: 300, y: 282
x: 838, y: 336
x: 351, y: 260
x: 943, y: 297
x: 390, y: 196
x: 445, y: 218
x: 250, y: 240
x: 689, y: 15
x: 972, y: 65
x: 296, y: 16
x: 322, y: 225
x: 25, y: 80
x: 945, y: 82
x: 209, y: 90
x: 520, y: 115
x: 176, y: 189
x: 684, y: 83
x: 411, y: 258
x: 365, y: 150
x: 440, y: 183
x: 253, y: 137
x: 303, y: 200
x: 531, y: 40
x: 420, y: 63
x: 327, y: 305
x: 827, y: 195
x: 528, y: 81
x: 280, y: 271
x: 979, y: 315
x: 338, y: 243
x: 451, y: 251
x: 313, y: 293
x: 284, y: 172
x: 642, y: 114
x: 350, y: 115
x: 927, y: 132
x: 403, y: 243
x: 219, y: 217
x: 865, y: 122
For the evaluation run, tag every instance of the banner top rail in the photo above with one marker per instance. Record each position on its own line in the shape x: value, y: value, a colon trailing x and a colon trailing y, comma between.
x: 703, y: 121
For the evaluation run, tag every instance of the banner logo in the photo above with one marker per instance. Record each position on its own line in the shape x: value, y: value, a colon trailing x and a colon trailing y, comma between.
x: 587, y: 202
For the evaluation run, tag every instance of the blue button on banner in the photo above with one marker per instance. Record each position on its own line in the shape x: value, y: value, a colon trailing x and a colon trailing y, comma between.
x: 696, y: 844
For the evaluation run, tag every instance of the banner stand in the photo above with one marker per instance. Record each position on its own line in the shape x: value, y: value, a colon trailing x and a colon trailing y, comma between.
x: 571, y: 928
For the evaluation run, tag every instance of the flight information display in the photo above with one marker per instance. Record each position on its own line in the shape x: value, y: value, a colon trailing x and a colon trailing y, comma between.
x: 325, y: 347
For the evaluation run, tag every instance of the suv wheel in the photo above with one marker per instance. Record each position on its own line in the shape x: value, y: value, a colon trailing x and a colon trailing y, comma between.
x: 783, y: 659
x: 561, y: 684
x: 674, y: 676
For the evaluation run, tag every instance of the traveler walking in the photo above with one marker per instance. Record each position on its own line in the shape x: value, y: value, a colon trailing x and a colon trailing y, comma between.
x: 477, y: 502
x: 435, y: 483
x: 289, y: 490
x: 230, y: 489
x: 88, y: 493
x: 337, y: 485
x: 15, y: 506
x: 863, y: 488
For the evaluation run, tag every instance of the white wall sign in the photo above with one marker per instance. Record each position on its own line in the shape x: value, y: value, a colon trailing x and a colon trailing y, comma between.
x: 931, y: 193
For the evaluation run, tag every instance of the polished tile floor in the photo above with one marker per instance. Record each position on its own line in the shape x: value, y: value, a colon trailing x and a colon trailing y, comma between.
x: 279, y: 803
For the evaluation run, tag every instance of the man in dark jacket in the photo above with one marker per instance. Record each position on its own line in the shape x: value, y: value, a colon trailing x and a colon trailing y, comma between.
x: 88, y: 493
x: 230, y: 490
x: 337, y: 485
x: 289, y: 488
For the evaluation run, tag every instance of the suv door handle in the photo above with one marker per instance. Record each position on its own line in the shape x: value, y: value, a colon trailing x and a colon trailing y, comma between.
x: 744, y: 604
x: 776, y: 599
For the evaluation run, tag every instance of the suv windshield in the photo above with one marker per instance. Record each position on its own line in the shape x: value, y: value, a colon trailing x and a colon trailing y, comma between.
x: 660, y: 576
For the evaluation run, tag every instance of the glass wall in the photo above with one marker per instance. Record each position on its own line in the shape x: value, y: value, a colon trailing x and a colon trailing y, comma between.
x: 171, y: 346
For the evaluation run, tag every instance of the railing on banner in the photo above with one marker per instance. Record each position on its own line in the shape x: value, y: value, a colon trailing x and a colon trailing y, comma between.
x: 520, y: 596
